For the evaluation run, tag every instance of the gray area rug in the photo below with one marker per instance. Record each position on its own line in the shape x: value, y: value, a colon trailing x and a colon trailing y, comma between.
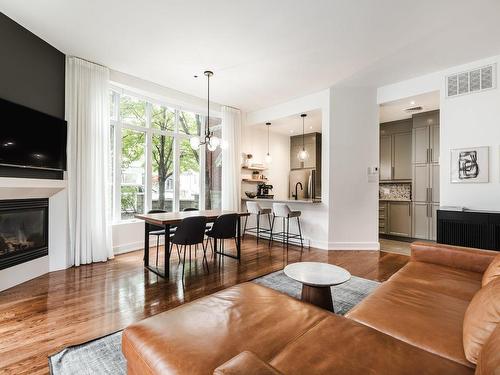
x: 345, y: 296
x: 104, y: 355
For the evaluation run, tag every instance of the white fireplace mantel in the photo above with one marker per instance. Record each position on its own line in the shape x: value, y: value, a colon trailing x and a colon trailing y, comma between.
x: 29, y: 188
x: 59, y: 257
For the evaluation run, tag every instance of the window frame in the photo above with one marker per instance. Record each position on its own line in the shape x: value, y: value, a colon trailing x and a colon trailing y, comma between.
x: 118, y: 126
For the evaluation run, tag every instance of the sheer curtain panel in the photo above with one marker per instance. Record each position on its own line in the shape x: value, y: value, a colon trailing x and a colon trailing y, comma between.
x: 231, y: 164
x: 87, y: 114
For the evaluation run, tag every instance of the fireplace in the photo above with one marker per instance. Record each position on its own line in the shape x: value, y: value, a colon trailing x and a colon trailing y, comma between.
x: 23, y: 230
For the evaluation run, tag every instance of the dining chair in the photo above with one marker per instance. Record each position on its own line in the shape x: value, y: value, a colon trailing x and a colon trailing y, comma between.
x: 223, y: 228
x: 190, y: 231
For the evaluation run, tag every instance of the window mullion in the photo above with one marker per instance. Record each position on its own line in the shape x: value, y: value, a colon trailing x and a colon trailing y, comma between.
x: 148, y: 204
x: 177, y: 164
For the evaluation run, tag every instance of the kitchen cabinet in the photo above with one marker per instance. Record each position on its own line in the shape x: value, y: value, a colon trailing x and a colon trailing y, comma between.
x: 400, y: 219
x: 395, y: 150
x: 385, y: 168
x: 382, y: 217
x: 425, y: 179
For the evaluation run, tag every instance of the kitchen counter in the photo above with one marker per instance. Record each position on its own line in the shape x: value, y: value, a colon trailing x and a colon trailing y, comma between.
x: 394, y: 200
x: 305, y: 201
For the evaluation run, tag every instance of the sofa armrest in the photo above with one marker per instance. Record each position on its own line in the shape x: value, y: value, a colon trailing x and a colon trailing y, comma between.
x: 246, y: 363
x: 465, y: 258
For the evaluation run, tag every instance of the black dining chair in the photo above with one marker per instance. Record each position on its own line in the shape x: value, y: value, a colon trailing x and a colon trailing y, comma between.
x: 223, y: 228
x: 190, y: 231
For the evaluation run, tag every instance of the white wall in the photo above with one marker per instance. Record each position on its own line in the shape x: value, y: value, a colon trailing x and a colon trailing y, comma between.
x: 315, y: 217
x: 353, y: 200
x: 128, y: 236
x: 466, y: 121
x: 255, y: 142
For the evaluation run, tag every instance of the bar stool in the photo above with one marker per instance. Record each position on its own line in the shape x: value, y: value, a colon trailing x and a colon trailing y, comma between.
x: 281, y: 210
x: 253, y: 208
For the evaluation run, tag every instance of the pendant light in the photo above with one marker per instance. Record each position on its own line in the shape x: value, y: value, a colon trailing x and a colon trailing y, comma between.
x: 209, y: 139
x: 303, y: 155
x: 268, y: 159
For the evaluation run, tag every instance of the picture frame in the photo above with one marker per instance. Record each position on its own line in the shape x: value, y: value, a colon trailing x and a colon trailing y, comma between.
x: 469, y: 165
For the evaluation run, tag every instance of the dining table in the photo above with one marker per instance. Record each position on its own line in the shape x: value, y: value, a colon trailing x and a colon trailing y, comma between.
x: 168, y: 220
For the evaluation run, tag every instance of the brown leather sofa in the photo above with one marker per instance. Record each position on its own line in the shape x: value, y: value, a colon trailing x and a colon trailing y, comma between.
x: 412, y: 324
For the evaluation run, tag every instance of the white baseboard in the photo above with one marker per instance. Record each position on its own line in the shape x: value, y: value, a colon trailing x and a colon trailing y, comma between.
x: 127, y: 248
x: 354, y: 246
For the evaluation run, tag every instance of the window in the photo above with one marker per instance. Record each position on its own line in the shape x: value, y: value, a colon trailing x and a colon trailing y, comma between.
x: 152, y: 163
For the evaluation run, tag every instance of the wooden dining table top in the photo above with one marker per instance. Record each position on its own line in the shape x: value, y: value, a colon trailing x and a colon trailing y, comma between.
x: 164, y: 218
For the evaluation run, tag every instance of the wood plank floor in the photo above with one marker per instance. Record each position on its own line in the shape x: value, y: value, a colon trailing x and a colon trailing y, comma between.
x: 44, y: 315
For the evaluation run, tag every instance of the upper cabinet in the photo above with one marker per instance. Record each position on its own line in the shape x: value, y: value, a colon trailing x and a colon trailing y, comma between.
x: 426, y: 138
x: 395, y: 150
x: 312, y: 144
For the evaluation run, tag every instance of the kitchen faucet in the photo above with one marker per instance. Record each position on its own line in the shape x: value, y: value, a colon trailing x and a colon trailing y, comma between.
x: 301, y: 188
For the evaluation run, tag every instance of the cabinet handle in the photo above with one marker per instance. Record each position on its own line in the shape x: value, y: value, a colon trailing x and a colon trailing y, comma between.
x: 392, y: 173
x: 427, y: 194
x: 427, y: 156
x: 430, y: 194
x: 430, y: 154
x: 409, y: 209
x: 428, y: 215
x: 430, y: 211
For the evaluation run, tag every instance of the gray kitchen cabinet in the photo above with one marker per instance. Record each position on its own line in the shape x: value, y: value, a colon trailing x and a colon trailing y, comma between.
x: 385, y: 169
x: 421, y: 145
x: 434, y: 143
x: 434, y: 183
x: 420, y: 182
x: 395, y: 156
x: 312, y: 144
x: 294, y: 161
x: 382, y: 217
x: 425, y: 174
x: 402, y: 156
x: 420, y: 220
x: 399, y: 219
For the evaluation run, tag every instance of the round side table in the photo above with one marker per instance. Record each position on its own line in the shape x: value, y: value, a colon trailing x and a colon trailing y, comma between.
x: 316, y: 279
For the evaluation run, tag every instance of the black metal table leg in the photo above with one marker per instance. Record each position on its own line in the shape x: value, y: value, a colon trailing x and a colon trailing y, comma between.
x: 146, y: 244
x: 167, y: 250
x: 238, y: 236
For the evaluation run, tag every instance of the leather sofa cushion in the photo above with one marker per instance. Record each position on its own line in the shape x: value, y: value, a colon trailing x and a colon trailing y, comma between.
x: 417, y: 313
x: 198, y: 337
x: 450, y: 281
x: 340, y: 346
x: 481, y: 318
x: 246, y: 363
x: 492, y: 271
x: 465, y: 258
x: 489, y: 359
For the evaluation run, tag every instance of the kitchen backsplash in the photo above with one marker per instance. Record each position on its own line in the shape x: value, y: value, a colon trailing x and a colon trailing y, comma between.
x: 395, y: 191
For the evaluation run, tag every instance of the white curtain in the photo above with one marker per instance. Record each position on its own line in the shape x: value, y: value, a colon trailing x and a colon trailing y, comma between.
x: 231, y: 159
x: 87, y: 114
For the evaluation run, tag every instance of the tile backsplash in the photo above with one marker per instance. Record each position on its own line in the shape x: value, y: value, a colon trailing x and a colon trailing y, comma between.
x: 395, y: 191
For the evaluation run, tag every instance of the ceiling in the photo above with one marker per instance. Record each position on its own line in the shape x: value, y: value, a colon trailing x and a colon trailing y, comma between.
x: 392, y: 111
x: 266, y: 52
x: 292, y: 125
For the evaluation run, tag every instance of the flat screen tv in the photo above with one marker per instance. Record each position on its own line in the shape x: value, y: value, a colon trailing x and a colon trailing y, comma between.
x: 31, y: 139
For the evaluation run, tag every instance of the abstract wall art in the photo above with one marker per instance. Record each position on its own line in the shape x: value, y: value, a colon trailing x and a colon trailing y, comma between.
x: 470, y: 165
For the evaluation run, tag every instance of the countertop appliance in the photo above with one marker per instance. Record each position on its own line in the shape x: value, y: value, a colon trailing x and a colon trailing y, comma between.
x: 263, y: 191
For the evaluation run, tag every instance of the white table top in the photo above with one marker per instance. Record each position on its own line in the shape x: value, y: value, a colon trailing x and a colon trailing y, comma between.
x: 317, y: 274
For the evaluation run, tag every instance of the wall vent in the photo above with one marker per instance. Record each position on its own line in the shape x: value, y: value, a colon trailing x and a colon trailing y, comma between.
x: 471, y: 81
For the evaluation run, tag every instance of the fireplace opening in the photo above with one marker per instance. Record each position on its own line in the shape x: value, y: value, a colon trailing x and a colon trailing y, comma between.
x: 23, y: 230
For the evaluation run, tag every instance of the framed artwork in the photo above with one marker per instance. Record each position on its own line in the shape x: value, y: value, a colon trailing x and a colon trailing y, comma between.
x: 470, y: 165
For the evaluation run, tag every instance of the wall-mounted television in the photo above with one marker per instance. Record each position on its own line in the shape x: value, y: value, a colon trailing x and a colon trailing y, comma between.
x: 30, y: 138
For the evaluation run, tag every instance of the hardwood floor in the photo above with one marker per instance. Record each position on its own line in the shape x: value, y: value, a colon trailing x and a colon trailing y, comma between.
x: 44, y: 315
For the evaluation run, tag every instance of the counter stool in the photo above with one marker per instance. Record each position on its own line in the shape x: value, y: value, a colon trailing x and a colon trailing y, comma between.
x: 253, y: 208
x: 281, y: 210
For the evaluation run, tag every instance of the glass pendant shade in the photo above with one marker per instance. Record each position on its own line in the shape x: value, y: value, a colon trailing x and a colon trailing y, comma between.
x: 194, y: 142
x: 303, y: 155
x: 268, y: 159
x: 211, y: 146
x: 215, y: 141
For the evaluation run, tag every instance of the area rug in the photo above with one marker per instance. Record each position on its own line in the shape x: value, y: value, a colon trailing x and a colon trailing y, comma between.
x: 345, y: 296
x: 104, y: 355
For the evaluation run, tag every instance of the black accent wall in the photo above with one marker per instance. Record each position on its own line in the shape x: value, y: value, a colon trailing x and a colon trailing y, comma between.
x: 31, y: 70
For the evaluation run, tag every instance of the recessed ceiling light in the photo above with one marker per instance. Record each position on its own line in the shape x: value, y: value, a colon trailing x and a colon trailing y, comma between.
x: 310, y: 127
x: 291, y: 131
x: 412, y: 102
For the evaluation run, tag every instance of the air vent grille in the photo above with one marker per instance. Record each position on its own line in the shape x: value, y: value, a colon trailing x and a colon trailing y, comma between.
x: 414, y: 109
x: 472, y: 81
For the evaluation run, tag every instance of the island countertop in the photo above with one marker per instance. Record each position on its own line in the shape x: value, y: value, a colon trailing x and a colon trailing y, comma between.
x: 305, y: 201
